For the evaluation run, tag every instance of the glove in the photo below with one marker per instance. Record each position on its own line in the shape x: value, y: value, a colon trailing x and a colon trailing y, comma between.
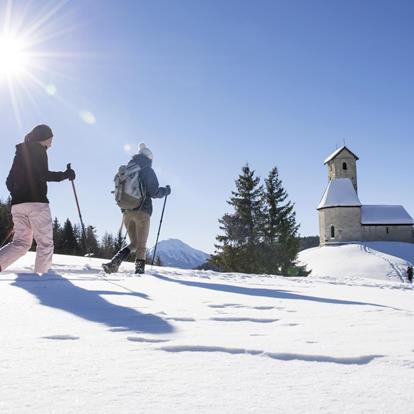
x: 69, y: 174
x: 167, y: 190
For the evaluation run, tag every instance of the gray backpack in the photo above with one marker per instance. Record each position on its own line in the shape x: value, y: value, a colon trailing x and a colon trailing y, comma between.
x: 129, y: 191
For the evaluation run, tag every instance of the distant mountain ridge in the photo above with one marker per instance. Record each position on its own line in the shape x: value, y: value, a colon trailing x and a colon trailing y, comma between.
x: 175, y: 253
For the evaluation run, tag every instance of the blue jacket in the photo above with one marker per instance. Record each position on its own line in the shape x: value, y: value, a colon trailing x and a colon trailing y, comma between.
x: 149, y: 181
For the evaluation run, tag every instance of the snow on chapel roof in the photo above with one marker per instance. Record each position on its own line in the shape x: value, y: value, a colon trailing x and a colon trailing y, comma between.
x: 337, y: 152
x: 382, y: 214
x: 340, y: 193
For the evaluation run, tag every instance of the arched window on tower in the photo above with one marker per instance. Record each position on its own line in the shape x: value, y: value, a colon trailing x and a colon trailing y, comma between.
x: 332, y: 232
x: 344, y: 166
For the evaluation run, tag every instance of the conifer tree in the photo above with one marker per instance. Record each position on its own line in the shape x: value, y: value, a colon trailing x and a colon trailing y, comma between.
x: 238, y: 245
x: 92, y: 241
x: 119, y: 241
x: 57, y: 236
x: 81, y: 246
x: 107, y: 246
x: 69, y: 240
x: 281, y: 241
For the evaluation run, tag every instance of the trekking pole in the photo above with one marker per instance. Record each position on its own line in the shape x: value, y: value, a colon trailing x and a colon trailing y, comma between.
x: 159, y: 230
x: 79, y: 211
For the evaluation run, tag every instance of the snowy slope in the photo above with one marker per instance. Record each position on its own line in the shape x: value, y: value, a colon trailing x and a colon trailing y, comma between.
x: 177, y: 341
x: 376, y: 260
x: 176, y: 253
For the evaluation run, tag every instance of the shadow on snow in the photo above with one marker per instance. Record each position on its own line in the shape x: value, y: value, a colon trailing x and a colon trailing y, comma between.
x: 89, y: 305
x: 267, y: 293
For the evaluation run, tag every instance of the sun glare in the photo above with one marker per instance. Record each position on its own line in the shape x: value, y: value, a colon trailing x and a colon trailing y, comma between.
x: 31, y: 61
x: 13, y: 56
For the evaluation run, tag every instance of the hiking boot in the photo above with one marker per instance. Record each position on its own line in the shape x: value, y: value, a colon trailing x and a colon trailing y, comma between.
x: 139, y: 267
x: 113, y: 265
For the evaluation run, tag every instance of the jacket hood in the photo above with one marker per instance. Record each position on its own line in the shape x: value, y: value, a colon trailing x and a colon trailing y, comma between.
x: 141, y: 160
x: 19, y: 147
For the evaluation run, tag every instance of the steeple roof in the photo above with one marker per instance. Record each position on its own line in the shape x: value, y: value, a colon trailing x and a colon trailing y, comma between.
x: 337, y: 152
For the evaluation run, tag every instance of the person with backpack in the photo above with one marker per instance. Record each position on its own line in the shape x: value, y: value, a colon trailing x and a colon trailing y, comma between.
x: 136, y: 184
x: 27, y: 183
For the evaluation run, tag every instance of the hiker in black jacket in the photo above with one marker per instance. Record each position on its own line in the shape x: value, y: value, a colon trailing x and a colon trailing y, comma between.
x: 27, y: 183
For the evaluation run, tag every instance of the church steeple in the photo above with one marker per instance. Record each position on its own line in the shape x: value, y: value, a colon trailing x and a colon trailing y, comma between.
x: 342, y: 164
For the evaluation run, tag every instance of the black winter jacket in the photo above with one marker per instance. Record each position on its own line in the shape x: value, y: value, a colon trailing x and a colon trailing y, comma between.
x: 28, y: 177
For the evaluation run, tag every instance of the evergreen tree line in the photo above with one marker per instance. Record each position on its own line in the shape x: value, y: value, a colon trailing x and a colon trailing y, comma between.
x: 261, y: 234
x: 70, y: 240
x: 68, y: 237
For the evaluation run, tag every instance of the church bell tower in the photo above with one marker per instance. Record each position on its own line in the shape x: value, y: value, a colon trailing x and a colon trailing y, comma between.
x: 342, y: 164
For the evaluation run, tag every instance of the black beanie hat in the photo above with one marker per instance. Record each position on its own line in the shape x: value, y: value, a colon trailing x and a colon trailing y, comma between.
x: 38, y: 134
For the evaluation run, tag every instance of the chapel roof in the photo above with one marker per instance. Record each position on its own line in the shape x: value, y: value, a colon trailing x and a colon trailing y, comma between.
x: 385, y: 214
x: 337, y: 152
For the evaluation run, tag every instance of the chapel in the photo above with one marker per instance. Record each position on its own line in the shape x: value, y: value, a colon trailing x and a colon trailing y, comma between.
x: 342, y: 216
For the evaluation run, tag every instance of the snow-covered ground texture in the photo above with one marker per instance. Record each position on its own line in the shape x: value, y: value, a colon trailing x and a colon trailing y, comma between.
x: 373, y: 260
x: 177, y: 341
x: 175, y: 253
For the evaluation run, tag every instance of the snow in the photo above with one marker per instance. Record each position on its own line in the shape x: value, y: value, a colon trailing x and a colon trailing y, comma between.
x: 180, y: 341
x: 174, y: 252
x: 385, y: 214
x: 385, y: 261
x: 340, y: 193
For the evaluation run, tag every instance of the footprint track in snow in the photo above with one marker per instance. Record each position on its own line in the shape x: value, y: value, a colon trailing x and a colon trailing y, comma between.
x: 146, y: 340
x: 238, y: 305
x: 180, y: 319
x: 62, y: 337
x: 242, y: 319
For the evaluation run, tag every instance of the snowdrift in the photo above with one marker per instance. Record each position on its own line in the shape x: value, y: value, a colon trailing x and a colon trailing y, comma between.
x: 374, y: 260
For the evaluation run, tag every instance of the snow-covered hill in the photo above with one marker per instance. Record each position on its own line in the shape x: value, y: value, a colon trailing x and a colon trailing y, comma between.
x: 180, y: 341
x: 175, y: 253
x: 375, y: 260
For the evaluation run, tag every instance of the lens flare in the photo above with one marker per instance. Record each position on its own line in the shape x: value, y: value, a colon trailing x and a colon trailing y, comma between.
x: 51, y: 89
x: 88, y: 117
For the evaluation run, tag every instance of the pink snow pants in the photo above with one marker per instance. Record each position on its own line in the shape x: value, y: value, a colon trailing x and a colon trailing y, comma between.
x: 30, y: 220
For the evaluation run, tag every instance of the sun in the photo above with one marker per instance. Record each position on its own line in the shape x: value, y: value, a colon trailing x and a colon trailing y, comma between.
x: 14, y: 57
x: 31, y: 61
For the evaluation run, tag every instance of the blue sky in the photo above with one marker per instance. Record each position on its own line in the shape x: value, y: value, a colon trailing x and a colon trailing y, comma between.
x: 210, y: 85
